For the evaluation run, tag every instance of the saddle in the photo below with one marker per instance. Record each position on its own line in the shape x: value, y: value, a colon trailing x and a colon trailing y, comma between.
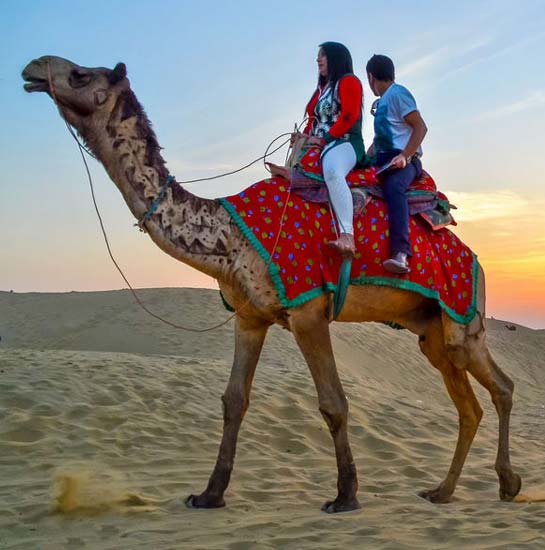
x: 308, y: 182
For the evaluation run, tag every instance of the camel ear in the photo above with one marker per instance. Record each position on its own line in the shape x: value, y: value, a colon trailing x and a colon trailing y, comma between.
x: 118, y: 74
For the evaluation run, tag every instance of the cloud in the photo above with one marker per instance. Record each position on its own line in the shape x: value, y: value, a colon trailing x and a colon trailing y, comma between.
x: 440, y: 56
x: 532, y: 100
x: 487, y: 206
x: 492, y: 55
x: 456, y: 47
x: 530, y: 258
x: 421, y: 63
x: 506, y: 229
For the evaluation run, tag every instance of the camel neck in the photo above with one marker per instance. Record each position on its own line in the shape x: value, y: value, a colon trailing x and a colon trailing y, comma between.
x: 192, y: 229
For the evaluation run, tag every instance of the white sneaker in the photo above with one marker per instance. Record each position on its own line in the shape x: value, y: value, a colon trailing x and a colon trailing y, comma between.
x: 397, y: 264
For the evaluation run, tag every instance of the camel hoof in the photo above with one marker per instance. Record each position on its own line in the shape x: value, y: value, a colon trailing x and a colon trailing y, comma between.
x: 510, y: 486
x: 336, y: 506
x: 437, y: 496
x: 203, y: 501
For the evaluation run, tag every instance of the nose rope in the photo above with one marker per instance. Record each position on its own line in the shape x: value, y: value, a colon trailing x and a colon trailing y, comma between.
x: 104, y: 234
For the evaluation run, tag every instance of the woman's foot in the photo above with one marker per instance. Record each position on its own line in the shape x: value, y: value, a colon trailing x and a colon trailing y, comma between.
x: 344, y: 245
x: 281, y: 171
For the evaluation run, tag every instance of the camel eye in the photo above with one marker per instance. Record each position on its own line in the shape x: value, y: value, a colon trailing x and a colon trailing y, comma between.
x: 79, y: 78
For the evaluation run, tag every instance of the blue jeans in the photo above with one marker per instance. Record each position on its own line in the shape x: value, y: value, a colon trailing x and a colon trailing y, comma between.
x: 394, y: 186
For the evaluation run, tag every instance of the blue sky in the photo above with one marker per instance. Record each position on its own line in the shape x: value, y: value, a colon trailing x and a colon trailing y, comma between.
x: 220, y: 79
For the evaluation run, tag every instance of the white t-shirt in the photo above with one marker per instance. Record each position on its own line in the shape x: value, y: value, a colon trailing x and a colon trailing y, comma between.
x: 391, y: 130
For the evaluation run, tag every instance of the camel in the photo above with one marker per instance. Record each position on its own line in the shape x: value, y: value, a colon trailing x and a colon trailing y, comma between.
x: 100, y: 104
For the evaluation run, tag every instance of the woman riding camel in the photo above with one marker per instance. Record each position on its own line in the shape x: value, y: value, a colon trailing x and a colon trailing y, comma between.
x: 334, y: 123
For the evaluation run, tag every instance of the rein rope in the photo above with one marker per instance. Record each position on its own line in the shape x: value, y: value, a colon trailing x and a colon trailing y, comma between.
x: 156, y: 202
x: 170, y: 180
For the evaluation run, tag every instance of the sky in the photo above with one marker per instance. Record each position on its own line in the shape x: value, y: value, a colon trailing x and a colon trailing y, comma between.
x: 220, y: 79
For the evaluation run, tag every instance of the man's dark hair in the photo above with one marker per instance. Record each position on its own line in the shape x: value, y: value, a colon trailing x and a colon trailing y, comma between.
x: 381, y: 67
x: 339, y: 63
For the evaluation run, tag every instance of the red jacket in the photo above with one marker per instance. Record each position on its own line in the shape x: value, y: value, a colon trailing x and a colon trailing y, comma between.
x: 350, y: 96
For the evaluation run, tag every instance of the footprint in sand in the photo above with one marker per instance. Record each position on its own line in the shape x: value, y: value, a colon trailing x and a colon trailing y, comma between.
x: 22, y: 434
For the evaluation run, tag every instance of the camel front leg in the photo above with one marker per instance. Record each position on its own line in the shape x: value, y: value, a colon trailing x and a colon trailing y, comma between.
x: 314, y: 341
x: 249, y: 338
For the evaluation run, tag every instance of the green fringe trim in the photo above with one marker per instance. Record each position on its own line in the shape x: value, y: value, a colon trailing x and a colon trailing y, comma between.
x: 310, y: 175
x: 297, y: 167
x: 418, y: 192
x: 274, y: 272
x: 428, y: 292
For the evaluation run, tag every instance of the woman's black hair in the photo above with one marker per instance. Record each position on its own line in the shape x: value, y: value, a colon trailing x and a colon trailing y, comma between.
x: 339, y: 63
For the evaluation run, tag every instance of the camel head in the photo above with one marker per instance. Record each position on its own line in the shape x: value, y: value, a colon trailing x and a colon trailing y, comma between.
x: 85, y: 96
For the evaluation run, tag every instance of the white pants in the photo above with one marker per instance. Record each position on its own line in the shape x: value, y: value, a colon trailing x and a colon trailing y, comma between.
x: 337, y: 161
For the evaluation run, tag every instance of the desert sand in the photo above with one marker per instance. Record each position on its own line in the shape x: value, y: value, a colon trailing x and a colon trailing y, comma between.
x: 109, y: 419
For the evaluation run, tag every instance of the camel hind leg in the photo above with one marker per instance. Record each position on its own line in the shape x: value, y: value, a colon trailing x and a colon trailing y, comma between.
x: 467, y: 349
x: 500, y: 386
x: 469, y: 411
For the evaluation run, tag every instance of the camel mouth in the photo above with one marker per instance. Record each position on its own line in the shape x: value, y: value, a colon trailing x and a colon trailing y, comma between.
x: 35, y: 76
x: 34, y: 84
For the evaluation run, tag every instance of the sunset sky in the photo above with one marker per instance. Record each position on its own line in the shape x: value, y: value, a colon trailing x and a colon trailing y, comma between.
x: 219, y: 80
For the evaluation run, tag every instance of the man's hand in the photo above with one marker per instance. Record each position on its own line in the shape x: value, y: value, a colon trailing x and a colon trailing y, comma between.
x: 315, y: 140
x: 399, y: 161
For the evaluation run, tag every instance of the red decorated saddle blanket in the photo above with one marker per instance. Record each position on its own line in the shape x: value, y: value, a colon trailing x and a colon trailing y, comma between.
x: 302, y: 265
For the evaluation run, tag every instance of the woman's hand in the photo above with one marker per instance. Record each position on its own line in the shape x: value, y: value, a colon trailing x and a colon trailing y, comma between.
x: 295, y: 136
x: 315, y: 140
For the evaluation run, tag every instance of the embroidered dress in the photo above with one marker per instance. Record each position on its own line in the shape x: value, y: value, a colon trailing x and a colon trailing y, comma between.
x: 335, y: 115
x: 327, y: 112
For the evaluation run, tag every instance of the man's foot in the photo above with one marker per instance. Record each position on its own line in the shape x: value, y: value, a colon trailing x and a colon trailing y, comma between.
x: 344, y: 245
x: 397, y: 264
x: 281, y: 171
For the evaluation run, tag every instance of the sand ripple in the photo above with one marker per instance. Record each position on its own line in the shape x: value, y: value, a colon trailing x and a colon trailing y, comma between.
x: 98, y: 447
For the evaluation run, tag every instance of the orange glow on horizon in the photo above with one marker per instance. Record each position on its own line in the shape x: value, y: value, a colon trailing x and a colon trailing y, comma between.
x: 507, y: 233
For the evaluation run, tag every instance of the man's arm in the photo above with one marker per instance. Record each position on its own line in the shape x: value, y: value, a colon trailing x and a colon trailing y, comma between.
x: 416, y: 122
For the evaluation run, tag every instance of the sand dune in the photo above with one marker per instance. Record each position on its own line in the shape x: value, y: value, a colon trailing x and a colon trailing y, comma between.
x: 108, y: 419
